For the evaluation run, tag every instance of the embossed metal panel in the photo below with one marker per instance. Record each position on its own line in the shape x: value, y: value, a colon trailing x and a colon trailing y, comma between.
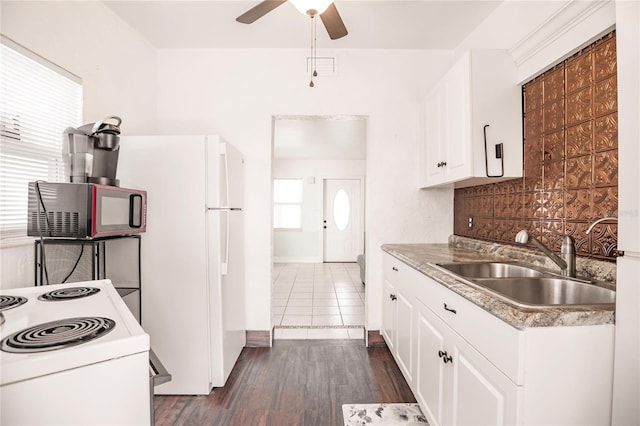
x: 570, y: 161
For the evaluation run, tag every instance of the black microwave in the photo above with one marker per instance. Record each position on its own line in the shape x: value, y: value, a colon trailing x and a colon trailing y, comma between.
x: 84, y: 210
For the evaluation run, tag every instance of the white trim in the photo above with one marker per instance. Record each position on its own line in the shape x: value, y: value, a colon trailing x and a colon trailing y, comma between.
x: 289, y: 259
x: 39, y: 59
x: 574, y: 26
x: 20, y: 241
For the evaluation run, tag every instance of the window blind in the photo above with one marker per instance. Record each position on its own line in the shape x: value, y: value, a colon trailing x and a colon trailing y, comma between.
x: 37, y: 103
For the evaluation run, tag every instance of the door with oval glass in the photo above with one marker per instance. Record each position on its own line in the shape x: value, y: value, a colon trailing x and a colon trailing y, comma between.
x: 343, y: 220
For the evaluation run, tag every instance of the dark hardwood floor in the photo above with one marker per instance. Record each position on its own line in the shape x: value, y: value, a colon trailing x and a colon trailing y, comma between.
x: 296, y: 382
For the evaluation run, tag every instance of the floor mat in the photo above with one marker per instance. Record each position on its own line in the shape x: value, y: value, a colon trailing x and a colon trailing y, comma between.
x: 383, y: 414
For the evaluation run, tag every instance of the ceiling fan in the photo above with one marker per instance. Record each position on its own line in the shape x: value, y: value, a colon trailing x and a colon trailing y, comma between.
x: 325, y: 8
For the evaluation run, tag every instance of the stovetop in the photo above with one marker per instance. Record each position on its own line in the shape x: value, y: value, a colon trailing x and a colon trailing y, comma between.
x: 48, y: 314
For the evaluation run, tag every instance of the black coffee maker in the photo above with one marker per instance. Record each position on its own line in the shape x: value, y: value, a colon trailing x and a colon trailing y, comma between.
x: 91, y: 152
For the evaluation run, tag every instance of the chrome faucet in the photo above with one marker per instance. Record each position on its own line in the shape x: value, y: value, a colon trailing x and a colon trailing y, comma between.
x: 567, y: 262
x: 590, y: 228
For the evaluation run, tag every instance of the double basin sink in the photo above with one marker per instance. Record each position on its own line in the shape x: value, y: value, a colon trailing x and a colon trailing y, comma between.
x: 530, y: 287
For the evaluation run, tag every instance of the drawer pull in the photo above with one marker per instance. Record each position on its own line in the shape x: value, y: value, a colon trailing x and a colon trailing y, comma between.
x: 394, y: 268
x: 393, y: 297
x: 446, y: 308
x: 441, y: 354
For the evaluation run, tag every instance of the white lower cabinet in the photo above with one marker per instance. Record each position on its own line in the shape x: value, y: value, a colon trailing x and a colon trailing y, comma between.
x: 397, y: 324
x: 456, y: 384
x: 468, y: 367
x: 404, y: 334
x: 389, y: 314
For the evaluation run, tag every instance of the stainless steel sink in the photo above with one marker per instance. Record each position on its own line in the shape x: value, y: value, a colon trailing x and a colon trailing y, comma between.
x: 491, y: 270
x: 549, y: 291
x: 531, y: 287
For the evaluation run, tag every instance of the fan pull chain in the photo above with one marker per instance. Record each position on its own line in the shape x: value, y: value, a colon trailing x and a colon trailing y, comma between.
x: 314, y: 73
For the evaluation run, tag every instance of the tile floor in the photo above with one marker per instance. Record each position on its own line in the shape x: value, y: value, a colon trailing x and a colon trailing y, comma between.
x: 317, y: 301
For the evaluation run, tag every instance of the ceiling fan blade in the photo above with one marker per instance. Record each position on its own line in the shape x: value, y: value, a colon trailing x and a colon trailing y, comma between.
x: 259, y: 10
x: 333, y: 22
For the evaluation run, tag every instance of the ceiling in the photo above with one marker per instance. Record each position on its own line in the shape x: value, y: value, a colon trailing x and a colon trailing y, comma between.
x: 340, y: 137
x: 372, y: 24
x: 397, y: 24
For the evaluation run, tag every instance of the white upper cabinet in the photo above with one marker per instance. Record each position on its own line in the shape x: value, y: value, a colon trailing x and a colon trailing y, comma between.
x: 479, y: 90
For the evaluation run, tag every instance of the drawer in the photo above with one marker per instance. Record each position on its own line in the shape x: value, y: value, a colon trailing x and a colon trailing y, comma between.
x: 499, y: 342
x: 394, y: 270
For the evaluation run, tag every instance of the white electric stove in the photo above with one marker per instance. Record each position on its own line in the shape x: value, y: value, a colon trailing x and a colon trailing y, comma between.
x: 72, y: 354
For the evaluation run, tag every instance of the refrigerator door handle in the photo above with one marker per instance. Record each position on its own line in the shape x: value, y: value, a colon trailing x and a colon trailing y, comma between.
x: 224, y: 257
x: 224, y: 175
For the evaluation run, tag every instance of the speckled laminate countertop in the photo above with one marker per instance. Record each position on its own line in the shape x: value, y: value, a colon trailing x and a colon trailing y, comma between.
x: 422, y: 257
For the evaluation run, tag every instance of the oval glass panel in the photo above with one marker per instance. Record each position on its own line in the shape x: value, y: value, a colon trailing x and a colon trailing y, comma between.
x: 341, y: 209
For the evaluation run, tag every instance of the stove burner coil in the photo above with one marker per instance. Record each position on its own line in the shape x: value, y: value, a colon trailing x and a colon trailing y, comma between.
x: 58, y: 334
x: 68, y: 294
x: 9, y: 302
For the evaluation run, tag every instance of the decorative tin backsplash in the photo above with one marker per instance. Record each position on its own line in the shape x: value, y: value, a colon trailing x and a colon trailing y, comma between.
x: 570, y: 161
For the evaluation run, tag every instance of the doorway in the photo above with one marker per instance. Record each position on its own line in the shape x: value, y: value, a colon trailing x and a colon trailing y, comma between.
x: 319, y: 174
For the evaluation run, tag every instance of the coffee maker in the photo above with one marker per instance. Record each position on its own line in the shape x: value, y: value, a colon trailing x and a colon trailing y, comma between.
x: 91, y: 152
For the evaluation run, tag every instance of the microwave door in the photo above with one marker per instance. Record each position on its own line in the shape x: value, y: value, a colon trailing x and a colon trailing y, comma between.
x: 118, y: 211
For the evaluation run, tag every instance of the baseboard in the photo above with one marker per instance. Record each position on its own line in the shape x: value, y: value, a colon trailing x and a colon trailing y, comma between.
x: 258, y: 339
x: 374, y: 338
x: 293, y: 259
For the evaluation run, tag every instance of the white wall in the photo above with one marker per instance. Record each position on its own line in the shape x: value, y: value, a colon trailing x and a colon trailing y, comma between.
x: 235, y: 92
x: 117, y: 67
x: 626, y: 379
x: 306, y: 245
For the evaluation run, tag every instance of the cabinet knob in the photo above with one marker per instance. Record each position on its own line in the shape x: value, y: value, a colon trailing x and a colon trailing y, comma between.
x: 444, y: 163
x: 394, y: 268
x: 439, y: 164
x: 447, y: 358
x: 393, y: 296
x: 441, y: 354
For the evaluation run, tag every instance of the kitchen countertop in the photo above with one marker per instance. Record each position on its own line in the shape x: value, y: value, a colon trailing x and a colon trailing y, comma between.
x: 422, y: 257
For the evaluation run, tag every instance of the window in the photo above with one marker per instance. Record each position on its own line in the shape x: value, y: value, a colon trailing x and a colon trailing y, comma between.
x: 39, y: 101
x: 287, y: 203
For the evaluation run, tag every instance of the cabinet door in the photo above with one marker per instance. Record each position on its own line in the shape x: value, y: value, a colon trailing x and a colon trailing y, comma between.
x: 430, y: 370
x: 389, y: 314
x: 457, y: 150
x: 435, y: 135
x: 480, y: 394
x: 404, y: 335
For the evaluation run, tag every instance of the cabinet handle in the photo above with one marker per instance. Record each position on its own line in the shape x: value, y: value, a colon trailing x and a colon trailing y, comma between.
x: 394, y: 268
x: 439, y: 164
x: 444, y: 163
x: 446, y: 308
x: 445, y: 357
x: 392, y: 296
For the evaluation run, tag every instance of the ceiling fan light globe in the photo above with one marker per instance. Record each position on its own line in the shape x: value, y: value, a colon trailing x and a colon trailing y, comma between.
x: 304, y: 6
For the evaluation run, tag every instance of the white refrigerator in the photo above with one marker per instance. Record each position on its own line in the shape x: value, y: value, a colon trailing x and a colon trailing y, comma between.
x: 193, y: 290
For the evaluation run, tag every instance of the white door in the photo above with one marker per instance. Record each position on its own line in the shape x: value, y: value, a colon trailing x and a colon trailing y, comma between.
x: 343, y: 230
